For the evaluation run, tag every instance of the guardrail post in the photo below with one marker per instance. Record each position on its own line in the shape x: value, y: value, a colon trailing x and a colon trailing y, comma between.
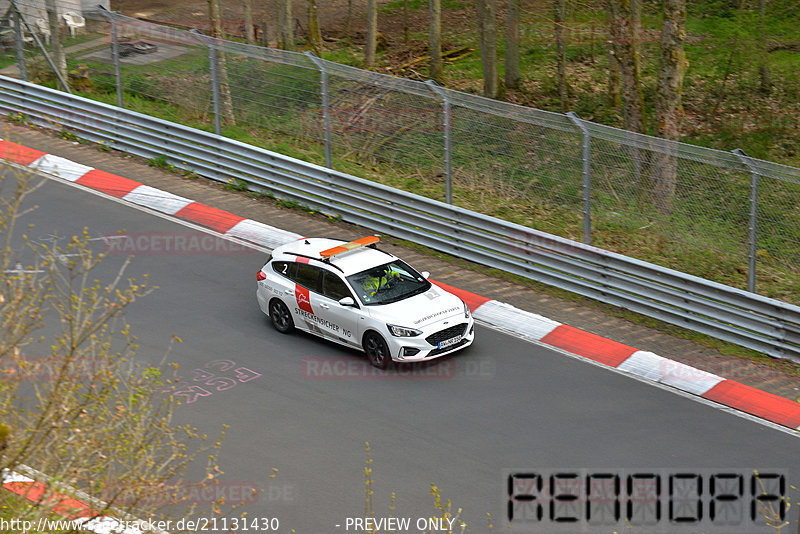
x: 753, y: 226
x: 326, y: 112
x: 587, y: 176
x: 19, y: 45
x: 448, y: 159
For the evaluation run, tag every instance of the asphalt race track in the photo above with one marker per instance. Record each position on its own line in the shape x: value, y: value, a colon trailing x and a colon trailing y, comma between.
x: 307, y: 407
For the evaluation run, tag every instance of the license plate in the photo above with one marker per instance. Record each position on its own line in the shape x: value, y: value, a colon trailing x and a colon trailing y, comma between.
x: 448, y: 342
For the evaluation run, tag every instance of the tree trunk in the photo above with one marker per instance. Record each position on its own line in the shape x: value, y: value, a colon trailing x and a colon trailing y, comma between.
x: 436, y: 40
x: 669, y: 111
x: 487, y: 31
x: 285, y: 25
x: 56, y: 39
x: 635, y: 7
x: 561, y: 53
x: 226, y: 102
x: 406, y: 38
x: 765, y: 83
x: 622, y: 37
x: 314, y: 33
x: 249, y: 31
x: 614, y: 76
x: 348, y: 25
x: 512, y: 76
x: 623, y: 42
x: 372, y: 33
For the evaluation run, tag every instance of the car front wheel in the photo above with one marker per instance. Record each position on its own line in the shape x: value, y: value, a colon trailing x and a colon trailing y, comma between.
x: 281, y: 316
x: 377, y: 350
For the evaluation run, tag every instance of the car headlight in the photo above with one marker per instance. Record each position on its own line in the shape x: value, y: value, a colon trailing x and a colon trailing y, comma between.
x: 402, y: 331
x: 466, y: 310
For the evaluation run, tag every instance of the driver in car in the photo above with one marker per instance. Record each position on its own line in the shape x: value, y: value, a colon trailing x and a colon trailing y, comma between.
x: 373, y: 284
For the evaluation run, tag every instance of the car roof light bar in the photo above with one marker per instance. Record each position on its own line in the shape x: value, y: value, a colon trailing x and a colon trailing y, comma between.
x: 358, y: 243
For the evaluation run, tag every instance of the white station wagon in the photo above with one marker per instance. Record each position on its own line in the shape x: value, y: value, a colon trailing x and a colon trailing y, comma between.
x: 358, y: 295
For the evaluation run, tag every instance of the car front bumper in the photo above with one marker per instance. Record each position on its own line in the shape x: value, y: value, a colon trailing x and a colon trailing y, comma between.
x: 422, y: 348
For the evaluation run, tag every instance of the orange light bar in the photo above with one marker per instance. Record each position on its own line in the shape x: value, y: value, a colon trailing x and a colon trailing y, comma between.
x: 363, y: 242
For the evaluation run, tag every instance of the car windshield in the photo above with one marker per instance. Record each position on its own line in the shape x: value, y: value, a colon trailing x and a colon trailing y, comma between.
x: 388, y: 283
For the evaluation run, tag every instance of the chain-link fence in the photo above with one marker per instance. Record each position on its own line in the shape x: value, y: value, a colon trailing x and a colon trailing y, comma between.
x: 719, y: 215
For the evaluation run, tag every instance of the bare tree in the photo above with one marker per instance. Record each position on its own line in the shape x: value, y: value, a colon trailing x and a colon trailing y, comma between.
x: 512, y: 76
x: 436, y: 40
x: 56, y: 39
x: 669, y: 111
x: 249, y: 32
x: 314, y: 34
x: 559, y: 9
x: 75, y: 403
x: 487, y: 34
x: 226, y: 101
x: 285, y: 25
x: 372, y: 33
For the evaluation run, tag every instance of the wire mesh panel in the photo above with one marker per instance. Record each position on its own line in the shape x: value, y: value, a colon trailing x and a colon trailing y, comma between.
x: 161, y: 68
x: 714, y: 214
x: 277, y: 92
x: 525, y: 165
x: 372, y: 119
x: 778, y: 226
x: 652, y: 201
x: 28, y: 39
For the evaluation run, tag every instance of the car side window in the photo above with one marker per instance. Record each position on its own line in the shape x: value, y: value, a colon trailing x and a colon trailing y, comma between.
x: 284, y: 268
x: 334, y: 287
x: 308, y: 276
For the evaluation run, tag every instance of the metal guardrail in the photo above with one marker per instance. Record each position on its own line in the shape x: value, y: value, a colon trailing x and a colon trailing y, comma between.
x: 730, y: 314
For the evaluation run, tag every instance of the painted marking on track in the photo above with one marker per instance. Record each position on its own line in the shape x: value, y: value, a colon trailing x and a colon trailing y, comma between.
x: 216, y: 375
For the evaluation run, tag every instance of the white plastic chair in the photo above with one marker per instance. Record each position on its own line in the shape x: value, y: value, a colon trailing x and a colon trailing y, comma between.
x: 44, y: 29
x: 74, y: 21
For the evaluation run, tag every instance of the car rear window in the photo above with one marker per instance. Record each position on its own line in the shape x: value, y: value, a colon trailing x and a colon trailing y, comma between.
x: 308, y: 276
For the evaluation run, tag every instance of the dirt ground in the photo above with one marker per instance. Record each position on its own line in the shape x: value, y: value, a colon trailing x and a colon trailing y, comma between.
x: 332, y: 15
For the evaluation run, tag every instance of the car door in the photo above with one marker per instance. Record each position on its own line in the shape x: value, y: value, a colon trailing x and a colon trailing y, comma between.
x: 307, y: 284
x: 340, y: 323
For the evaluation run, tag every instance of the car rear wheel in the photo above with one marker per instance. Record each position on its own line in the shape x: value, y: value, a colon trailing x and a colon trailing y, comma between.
x: 281, y: 316
x: 377, y: 350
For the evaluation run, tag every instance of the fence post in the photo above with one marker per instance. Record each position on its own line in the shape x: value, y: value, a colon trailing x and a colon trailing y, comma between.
x: 587, y: 177
x: 117, y: 66
x: 19, y: 45
x: 212, y: 63
x: 212, y: 60
x: 326, y: 112
x: 114, y: 53
x: 448, y: 160
x: 753, y: 225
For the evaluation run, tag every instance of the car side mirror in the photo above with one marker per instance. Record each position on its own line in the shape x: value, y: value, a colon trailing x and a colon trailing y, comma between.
x: 425, y: 274
x: 347, y: 301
